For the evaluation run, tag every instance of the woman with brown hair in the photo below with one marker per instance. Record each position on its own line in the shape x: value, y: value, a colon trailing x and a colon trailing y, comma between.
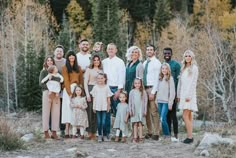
x: 90, y: 78
x: 73, y: 76
x: 49, y: 104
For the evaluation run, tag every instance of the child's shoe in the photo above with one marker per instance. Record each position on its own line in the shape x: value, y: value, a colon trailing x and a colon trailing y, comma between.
x: 117, y: 139
x: 99, y: 139
x: 82, y: 137
x: 46, y: 135
x: 123, y: 140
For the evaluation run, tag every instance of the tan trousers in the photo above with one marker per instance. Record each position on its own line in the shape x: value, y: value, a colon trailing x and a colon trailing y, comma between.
x: 50, y: 105
x: 152, y: 118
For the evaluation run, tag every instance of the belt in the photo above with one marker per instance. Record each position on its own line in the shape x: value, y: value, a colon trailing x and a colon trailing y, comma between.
x: 113, y: 86
x: 147, y: 87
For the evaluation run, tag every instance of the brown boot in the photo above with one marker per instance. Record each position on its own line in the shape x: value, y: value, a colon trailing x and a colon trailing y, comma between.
x: 54, y: 135
x: 123, y: 140
x: 46, y: 135
x: 117, y: 139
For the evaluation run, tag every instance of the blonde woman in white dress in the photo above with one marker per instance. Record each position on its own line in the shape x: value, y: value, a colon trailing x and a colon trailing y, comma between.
x: 186, y: 93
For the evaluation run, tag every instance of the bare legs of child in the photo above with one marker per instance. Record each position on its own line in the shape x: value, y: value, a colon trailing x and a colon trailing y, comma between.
x: 138, y: 132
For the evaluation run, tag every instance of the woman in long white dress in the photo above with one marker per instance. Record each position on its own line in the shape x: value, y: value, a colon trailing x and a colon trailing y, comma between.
x: 187, y: 91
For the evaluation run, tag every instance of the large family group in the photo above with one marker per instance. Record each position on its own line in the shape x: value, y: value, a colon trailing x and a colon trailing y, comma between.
x: 82, y: 92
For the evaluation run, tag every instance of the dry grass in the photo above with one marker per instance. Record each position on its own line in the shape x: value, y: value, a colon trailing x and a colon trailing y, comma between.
x: 9, y: 139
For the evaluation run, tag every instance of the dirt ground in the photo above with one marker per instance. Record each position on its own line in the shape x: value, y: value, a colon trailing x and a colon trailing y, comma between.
x: 39, y: 148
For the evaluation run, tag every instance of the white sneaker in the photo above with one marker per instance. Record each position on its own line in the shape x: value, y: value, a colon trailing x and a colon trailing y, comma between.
x: 106, y: 139
x: 99, y: 139
x: 173, y: 139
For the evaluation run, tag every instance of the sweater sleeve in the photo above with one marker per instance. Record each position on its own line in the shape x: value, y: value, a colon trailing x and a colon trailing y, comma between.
x: 45, y: 79
x: 193, y: 83
x: 65, y: 75
x: 43, y: 74
x: 86, y: 81
x: 171, y: 92
x: 145, y: 101
x: 139, y: 70
x: 179, y: 87
x: 81, y: 79
x: 61, y: 78
x: 131, y: 110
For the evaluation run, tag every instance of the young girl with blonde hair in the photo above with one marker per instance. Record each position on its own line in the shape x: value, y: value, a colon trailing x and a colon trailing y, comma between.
x: 165, y: 96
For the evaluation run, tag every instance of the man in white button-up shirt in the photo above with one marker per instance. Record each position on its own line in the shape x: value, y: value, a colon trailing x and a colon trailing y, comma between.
x: 152, y: 68
x: 114, y: 67
x: 83, y: 57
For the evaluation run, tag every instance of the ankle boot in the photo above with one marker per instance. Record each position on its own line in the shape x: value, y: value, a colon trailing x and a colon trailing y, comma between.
x: 117, y: 139
x: 54, y: 135
x: 46, y: 135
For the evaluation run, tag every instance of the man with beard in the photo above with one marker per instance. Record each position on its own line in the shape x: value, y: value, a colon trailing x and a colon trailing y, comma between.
x: 83, y: 57
x: 175, y: 70
x: 151, y: 73
x: 59, y: 62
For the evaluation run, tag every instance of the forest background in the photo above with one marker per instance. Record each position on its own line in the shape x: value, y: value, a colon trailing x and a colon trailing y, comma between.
x: 30, y: 30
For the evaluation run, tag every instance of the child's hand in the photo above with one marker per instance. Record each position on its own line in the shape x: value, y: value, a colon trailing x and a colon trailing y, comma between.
x: 131, y: 114
x: 126, y: 120
x: 145, y: 114
x: 94, y: 111
x: 187, y: 99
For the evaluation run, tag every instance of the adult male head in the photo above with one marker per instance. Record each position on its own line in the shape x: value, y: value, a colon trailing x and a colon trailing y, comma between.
x: 59, y: 52
x: 84, y: 46
x: 167, y: 52
x: 111, y: 50
x: 150, y: 50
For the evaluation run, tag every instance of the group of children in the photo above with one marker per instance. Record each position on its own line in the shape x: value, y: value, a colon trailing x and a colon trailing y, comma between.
x: 135, y: 109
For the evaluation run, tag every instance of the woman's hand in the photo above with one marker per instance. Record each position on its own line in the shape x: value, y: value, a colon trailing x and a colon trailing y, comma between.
x: 94, y: 111
x: 144, y: 114
x: 170, y: 108
x: 177, y: 99
x: 89, y: 99
x: 151, y: 97
x: 108, y: 108
x: 116, y: 95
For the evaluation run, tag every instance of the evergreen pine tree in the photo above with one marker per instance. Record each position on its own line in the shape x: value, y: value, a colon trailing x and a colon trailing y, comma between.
x: 162, y: 15
x: 66, y: 37
x: 29, y: 92
x: 106, y: 22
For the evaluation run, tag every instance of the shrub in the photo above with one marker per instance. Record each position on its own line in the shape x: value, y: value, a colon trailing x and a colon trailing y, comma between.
x: 9, y: 139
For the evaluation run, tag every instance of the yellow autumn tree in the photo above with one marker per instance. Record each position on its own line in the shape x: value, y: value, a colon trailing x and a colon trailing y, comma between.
x: 76, y: 17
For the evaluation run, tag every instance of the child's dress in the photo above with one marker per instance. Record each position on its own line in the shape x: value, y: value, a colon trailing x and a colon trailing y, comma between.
x: 79, y: 116
x: 122, y: 110
x: 138, y: 106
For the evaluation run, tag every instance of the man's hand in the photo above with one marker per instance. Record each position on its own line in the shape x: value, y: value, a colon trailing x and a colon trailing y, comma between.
x: 151, y: 97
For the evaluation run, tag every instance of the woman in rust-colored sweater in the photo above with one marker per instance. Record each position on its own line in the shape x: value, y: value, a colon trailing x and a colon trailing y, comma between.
x: 73, y: 76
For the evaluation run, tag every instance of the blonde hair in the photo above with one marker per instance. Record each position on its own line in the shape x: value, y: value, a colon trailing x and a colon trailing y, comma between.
x: 193, y: 61
x: 130, y: 51
x: 161, y: 76
x: 98, y: 44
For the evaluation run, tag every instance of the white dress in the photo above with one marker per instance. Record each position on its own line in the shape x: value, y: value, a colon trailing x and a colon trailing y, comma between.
x: 187, y: 89
x: 66, y: 108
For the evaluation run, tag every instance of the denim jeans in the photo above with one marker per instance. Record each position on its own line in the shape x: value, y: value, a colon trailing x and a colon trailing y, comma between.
x: 114, y: 103
x: 163, y: 110
x: 113, y: 110
x: 101, y: 122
